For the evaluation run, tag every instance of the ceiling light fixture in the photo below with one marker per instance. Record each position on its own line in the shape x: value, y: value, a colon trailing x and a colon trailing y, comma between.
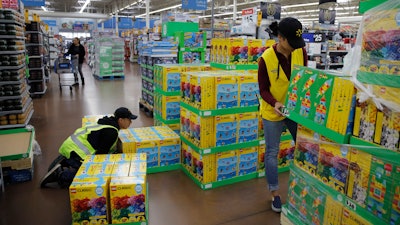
x: 84, y: 6
x: 44, y: 8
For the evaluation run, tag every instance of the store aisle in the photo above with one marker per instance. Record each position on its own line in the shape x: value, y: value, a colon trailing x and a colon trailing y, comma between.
x: 174, y: 198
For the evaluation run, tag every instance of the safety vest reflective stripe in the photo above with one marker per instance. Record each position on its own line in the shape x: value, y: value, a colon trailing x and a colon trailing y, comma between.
x: 75, y: 139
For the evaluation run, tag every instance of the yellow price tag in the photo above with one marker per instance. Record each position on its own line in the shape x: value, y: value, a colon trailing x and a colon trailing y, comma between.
x: 259, y: 18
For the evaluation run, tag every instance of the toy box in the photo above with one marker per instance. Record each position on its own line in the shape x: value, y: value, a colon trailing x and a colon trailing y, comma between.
x: 351, y: 218
x: 235, y: 51
x: 225, y: 130
x: 128, y: 199
x: 202, y: 90
x: 247, y: 126
x: 322, y: 98
x: 248, y: 89
x: 286, y: 153
x: 203, y: 167
x: 306, y: 153
x: 202, y: 131
x: 333, y: 211
x: 379, y: 188
x: 186, y: 156
x: 256, y: 49
x: 387, y: 129
x: 395, y: 209
x: 89, y: 202
x: 185, y: 122
x: 358, y: 178
x: 191, y: 57
x: 169, y: 77
x: 170, y: 107
x: 305, y: 200
x: 365, y: 120
x: 226, y: 165
x: 333, y: 165
x: 261, y: 158
x: 170, y: 151
x: 191, y: 39
x: 247, y: 160
x: 185, y: 87
x: 227, y: 91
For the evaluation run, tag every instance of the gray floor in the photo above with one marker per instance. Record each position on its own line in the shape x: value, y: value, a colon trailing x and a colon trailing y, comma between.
x: 173, y: 197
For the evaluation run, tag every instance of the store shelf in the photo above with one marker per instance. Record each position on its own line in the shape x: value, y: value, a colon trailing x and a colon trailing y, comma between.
x: 19, y: 96
x: 12, y: 37
x: 148, y: 79
x: 12, y: 67
x: 28, y: 118
x: 11, y: 52
x: 216, y: 184
x: 148, y: 92
x: 234, y: 66
x: 224, y: 148
x: 220, y: 112
x: 2, y: 113
x: 26, y: 153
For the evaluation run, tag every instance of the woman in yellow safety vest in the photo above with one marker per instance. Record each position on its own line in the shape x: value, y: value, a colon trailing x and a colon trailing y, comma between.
x: 274, y: 70
x: 99, y: 138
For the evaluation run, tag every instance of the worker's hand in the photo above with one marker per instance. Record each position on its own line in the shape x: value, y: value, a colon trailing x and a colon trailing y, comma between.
x: 278, y: 108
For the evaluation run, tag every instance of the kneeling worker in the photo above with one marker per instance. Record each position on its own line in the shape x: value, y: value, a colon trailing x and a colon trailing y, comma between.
x: 100, y: 138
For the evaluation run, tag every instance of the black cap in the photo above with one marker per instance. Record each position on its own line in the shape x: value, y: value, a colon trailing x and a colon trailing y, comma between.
x: 292, y: 30
x: 123, y: 112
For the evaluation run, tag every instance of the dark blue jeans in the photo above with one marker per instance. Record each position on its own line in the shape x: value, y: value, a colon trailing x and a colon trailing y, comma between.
x: 69, y: 168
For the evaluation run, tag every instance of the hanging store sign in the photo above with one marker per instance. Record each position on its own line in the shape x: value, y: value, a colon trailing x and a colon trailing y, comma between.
x: 34, y: 2
x: 270, y: 10
x: 327, y: 16
x: 249, y: 16
x: 194, y: 4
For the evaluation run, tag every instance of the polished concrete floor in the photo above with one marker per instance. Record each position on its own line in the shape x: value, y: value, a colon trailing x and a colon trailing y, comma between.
x: 173, y: 197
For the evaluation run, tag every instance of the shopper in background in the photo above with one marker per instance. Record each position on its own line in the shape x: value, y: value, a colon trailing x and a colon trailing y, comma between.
x: 77, y: 52
x: 274, y: 70
x: 100, y: 138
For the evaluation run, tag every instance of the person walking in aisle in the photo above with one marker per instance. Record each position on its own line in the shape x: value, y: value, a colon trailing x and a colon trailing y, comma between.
x: 77, y: 52
x: 100, y: 138
x: 274, y: 70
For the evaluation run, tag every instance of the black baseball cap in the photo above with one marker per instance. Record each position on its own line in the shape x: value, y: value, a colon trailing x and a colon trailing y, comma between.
x: 292, y: 30
x: 123, y: 112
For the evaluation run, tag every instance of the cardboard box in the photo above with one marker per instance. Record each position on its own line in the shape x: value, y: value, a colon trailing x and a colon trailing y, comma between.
x: 225, y: 130
x: 226, y: 165
x: 247, y: 160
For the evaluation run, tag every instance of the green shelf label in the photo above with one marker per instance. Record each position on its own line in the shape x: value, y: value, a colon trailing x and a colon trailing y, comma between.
x: 220, y: 112
x: 235, y: 66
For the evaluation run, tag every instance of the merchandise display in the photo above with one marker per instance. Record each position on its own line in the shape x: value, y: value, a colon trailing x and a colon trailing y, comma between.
x: 110, y: 189
x: 160, y: 143
x: 109, y: 61
x: 16, y: 107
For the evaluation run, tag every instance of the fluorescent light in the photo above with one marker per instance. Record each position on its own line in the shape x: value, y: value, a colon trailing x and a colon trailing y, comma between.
x: 160, y: 10
x: 84, y: 6
x: 44, y: 8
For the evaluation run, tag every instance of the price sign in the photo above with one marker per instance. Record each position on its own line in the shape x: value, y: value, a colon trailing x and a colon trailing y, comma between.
x: 351, y: 205
x: 249, y: 16
x: 314, y: 37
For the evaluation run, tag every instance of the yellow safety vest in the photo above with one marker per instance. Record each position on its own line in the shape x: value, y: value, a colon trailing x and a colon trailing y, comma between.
x: 79, y: 144
x: 279, y: 87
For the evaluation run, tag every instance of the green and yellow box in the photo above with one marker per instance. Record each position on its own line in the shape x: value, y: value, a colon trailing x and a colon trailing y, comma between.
x: 186, y: 157
x: 305, y: 200
x: 226, y: 91
x: 128, y: 199
x: 316, y: 96
x: 202, y: 90
x: 168, y: 77
x: 235, y: 51
x: 247, y: 160
x: 225, y: 130
x: 395, y: 209
x: 248, y: 89
x: 247, y: 126
x: 226, y: 164
x: 170, y: 151
x: 365, y: 120
x: 255, y: 50
x: 89, y: 201
x: 358, y: 178
x: 203, y: 167
x: 286, y: 153
x: 170, y: 107
x: 137, y: 168
x: 185, y: 122
x: 202, y: 131
x: 333, y: 211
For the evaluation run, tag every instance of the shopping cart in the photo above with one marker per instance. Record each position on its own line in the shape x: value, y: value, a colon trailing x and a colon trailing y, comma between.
x: 67, y: 71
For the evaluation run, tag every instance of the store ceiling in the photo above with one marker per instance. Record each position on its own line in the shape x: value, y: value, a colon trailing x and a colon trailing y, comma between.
x: 306, y: 12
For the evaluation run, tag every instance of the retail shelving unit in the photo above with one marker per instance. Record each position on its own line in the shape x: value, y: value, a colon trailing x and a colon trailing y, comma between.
x: 16, y: 107
x: 37, y: 51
